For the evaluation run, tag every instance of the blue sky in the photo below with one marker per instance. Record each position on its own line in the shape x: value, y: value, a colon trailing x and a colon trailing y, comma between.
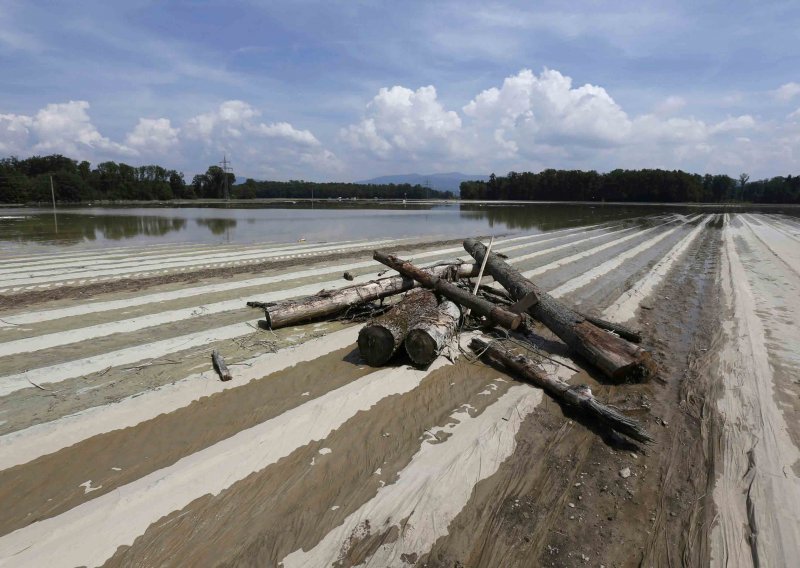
x: 331, y: 90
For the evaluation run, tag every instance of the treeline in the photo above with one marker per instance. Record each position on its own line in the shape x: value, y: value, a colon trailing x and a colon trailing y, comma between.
x: 655, y: 186
x: 28, y: 181
x: 298, y: 189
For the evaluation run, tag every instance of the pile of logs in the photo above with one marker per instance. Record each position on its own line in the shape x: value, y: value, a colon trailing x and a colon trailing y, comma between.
x: 436, y: 302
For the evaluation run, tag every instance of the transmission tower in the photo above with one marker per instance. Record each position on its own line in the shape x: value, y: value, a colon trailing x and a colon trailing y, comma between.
x: 225, y: 169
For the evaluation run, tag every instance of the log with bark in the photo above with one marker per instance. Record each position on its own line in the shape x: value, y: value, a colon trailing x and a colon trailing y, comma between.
x: 577, y: 396
x: 617, y: 358
x: 381, y: 337
x: 625, y: 332
x: 494, y: 313
x: 220, y: 366
x: 427, y: 338
x: 332, y: 302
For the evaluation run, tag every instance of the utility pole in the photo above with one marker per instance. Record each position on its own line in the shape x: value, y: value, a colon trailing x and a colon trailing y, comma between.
x: 225, y: 168
x: 53, y: 194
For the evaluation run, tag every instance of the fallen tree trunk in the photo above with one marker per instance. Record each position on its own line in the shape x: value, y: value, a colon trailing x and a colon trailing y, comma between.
x: 485, y: 308
x: 331, y: 302
x: 379, y: 339
x: 578, y: 396
x: 623, y: 331
x: 617, y: 358
x: 426, y: 339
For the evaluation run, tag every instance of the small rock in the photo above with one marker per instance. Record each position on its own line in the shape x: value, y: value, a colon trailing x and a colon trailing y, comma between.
x: 572, y: 505
x: 572, y: 517
x: 577, y: 485
x: 634, y: 456
x: 625, y: 473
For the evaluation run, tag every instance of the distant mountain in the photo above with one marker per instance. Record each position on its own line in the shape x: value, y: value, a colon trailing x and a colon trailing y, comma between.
x: 445, y: 182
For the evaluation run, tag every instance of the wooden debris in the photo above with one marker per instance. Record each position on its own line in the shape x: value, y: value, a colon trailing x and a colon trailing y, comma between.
x: 625, y: 332
x: 617, y: 358
x: 494, y: 313
x: 578, y: 396
x: 332, y: 302
x: 348, y: 276
x: 380, y: 338
x: 427, y: 338
x: 220, y: 366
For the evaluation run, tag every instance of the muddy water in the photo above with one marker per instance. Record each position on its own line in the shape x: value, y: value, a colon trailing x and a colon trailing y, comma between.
x: 118, y: 444
x: 37, y: 229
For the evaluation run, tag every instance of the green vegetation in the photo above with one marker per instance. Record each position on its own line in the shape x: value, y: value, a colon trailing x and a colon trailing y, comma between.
x: 304, y: 189
x: 28, y: 181
x: 655, y: 186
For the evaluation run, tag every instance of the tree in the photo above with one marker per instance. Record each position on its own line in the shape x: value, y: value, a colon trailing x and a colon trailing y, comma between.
x: 743, y: 179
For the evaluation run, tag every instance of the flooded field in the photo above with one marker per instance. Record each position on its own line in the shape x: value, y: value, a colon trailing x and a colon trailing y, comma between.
x: 36, y: 230
x: 119, y: 446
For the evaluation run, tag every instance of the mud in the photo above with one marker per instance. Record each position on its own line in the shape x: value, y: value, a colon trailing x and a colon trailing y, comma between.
x: 322, y: 460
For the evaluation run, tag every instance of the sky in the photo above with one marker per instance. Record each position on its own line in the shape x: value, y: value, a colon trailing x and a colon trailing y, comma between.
x: 334, y: 90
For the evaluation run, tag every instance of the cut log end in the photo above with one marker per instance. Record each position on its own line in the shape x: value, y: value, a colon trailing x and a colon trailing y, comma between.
x: 421, y: 347
x: 621, y: 360
x: 641, y: 370
x: 376, y: 345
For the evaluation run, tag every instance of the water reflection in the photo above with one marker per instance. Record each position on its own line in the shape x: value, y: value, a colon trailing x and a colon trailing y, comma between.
x: 327, y: 220
x: 217, y: 226
x: 68, y: 229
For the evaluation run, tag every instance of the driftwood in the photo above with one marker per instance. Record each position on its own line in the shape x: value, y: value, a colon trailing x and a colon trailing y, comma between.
x: 220, y: 366
x: 332, y: 302
x: 578, y: 396
x: 623, y: 331
x: 427, y: 338
x: 380, y: 338
x: 618, y: 359
x: 481, y: 307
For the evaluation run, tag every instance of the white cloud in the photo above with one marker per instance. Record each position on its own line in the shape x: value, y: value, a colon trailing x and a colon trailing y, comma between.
x: 406, y: 121
x: 63, y: 128
x: 787, y: 91
x: 153, y: 136
x: 66, y: 128
x: 533, y: 121
x: 14, y: 132
x: 276, y: 149
x: 547, y: 109
x: 288, y: 132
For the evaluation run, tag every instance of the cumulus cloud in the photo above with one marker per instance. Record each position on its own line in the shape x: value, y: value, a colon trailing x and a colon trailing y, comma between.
x: 548, y: 109
x: 531, y: 121
x: 275, y: 149
x: 787, y: 91
x: 260, y: 149
x: 153, y: 136
x: 14, y: 132
x: 404, y: 120
x: 63, y: 128
x: 67, y: 129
